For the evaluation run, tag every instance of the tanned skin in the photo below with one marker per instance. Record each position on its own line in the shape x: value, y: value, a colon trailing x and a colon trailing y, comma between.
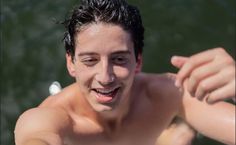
x: 113, y: 102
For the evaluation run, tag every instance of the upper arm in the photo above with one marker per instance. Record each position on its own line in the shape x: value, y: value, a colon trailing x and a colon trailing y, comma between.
x: 41, y: 123
x: 162, y: 90
x: 216, y: 121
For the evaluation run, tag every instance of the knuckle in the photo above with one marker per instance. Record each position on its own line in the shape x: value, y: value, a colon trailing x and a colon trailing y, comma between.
x: 219, y: 50
x: 185, y: 70
x: 189, y: 65
x: 203, y: 86
x: 194, y: 76
x: 220, y: 54
x: 191, y: 61
x: 230, y: 71
x: 229, y: 61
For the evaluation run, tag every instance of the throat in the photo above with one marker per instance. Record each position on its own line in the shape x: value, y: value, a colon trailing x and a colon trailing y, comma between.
x: 112, y: 128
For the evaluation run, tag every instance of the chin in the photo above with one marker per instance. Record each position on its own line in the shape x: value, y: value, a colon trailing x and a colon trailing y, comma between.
x: 107, y: 111
x: 104, y: 108
x: 109, y: 114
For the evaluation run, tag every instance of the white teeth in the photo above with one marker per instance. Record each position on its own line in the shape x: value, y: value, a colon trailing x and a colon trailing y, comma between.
x: 105, y: 91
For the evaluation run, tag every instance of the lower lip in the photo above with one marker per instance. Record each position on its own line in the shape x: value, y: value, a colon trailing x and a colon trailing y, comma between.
x: 106, y: 99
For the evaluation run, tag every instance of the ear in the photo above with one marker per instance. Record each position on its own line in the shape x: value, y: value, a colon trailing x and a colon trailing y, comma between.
x: 70, y: 65
x: 139, y: 64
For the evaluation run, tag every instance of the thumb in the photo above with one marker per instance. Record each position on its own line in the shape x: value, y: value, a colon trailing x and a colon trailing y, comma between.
x: 178, y: 61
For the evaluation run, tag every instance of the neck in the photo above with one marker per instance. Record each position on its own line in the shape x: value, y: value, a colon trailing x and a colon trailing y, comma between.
x: 108, y: 123
x: 112, y: 124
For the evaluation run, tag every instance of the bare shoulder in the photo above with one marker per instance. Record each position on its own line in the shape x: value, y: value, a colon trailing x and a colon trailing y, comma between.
x: 48, y: 121
x: 159, y: 83
x: 63, y: 98
x: 167, y: 78
x: 161, y: 87
x: 43, y: 123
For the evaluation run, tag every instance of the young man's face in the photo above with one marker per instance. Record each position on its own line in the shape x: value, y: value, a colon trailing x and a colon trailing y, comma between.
x: 104, y: 65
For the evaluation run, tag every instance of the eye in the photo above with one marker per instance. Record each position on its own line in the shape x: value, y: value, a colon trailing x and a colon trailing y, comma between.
x: 120, y: 60
x: 89, y: 61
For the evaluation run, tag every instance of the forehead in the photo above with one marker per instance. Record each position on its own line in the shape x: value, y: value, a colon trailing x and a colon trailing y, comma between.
x: 103, y: 36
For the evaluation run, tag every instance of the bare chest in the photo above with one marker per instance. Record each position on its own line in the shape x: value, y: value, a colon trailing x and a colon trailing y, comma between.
x: 139, y: 131
x: 125, y: 137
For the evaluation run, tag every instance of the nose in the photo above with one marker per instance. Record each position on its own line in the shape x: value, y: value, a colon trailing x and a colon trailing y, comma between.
x: 105, y: 75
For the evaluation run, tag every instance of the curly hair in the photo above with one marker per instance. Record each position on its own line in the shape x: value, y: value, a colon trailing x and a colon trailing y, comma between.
x: 117, y: 12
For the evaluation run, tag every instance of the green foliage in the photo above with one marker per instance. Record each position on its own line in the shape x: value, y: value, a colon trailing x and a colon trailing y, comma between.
x: 32, y: 53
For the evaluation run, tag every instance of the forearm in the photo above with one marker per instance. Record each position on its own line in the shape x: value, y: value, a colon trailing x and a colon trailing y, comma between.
x: 215, y: 121
x: 35, y: 142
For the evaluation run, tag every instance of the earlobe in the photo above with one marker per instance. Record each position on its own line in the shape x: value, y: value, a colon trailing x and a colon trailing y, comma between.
x: 70, y: 65
x: 139, y: 64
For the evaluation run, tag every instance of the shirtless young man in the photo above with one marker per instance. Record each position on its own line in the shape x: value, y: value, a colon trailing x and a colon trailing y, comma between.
x: 113, y: 103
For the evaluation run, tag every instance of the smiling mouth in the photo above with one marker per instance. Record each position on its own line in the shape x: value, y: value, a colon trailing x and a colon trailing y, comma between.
x: 106, y: 95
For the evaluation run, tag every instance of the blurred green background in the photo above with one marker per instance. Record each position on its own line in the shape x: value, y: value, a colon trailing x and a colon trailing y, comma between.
x: 32, y: 53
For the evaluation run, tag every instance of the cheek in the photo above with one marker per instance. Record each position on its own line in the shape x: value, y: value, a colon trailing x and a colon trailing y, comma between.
x: 84, y: 76
x: 123, y: 72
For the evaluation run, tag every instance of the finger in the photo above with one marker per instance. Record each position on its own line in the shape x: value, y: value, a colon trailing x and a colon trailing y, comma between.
x: 178, y: 61
x: 210, y: 84
x: 201, y: 73
x: 223, y: 93
x: 200, y: 92
x: 193, y: 62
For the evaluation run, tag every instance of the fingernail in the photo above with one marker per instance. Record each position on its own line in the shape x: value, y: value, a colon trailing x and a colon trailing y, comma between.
x: 180, y: 89
x: 199, y: 98
x: 209, y: 100
x: 174, y: 57
x: 192, y: 94
x: 177, y: 83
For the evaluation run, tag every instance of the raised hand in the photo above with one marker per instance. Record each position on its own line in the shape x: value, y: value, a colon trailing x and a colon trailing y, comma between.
x: 209, y: 74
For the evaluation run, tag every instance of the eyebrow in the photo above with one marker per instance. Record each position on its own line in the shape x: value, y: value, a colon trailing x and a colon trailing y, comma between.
x: 121, y: 52
x: 114, y: 53
x: 87, y: 53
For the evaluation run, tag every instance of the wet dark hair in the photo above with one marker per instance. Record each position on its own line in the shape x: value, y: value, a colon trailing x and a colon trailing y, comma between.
x: 117, y: 12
